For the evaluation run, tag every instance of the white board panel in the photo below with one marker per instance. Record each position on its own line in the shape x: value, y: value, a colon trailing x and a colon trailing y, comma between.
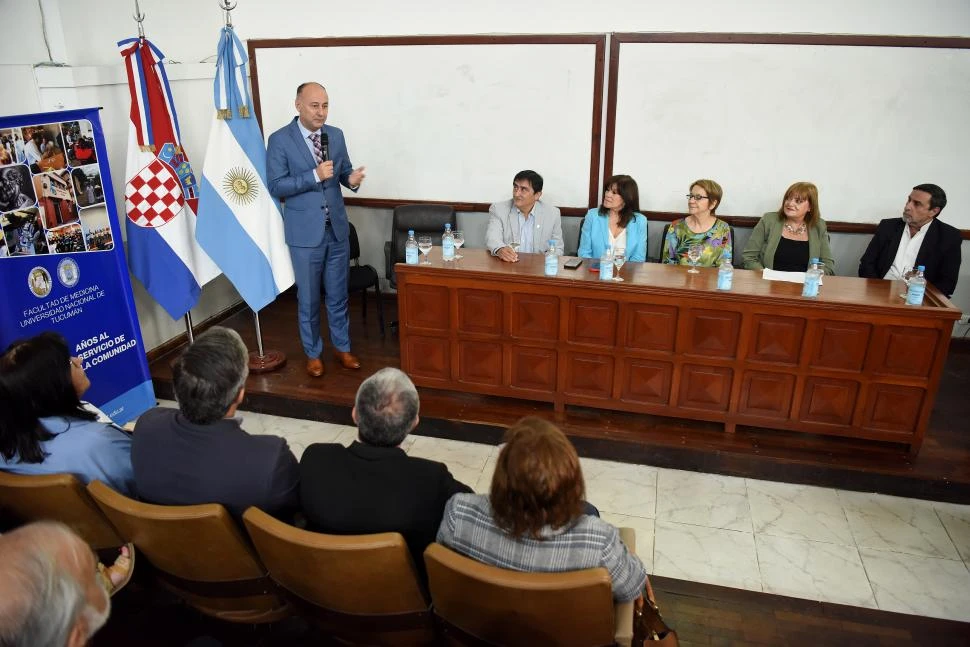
x: 865, y: 124
x: 448, y: 122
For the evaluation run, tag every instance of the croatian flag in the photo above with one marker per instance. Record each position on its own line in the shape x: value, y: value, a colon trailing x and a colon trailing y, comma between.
x: 161, y: 192
x: 240, y: 223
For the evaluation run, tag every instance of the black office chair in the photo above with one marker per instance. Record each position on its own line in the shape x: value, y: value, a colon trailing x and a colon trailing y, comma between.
x: 360, y: 277
x: 425, y: 220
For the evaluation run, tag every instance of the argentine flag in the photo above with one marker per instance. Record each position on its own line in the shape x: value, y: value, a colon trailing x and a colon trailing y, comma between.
x: 240, y: 224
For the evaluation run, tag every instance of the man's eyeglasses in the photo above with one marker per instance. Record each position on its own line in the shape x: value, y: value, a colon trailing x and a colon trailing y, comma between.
x: 694, y: 196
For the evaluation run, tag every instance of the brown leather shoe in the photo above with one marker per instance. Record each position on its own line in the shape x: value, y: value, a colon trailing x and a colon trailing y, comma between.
x: 346, y: 359
x: 314, y: 367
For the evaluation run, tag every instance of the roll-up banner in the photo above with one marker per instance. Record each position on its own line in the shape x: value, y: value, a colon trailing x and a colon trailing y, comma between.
x: 62, y: 262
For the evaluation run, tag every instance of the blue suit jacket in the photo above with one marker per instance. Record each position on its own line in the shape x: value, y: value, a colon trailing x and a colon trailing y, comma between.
x: 288, y: 168
x: 595, y: 237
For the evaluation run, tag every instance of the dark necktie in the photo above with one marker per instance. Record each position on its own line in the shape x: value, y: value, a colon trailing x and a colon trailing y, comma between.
x: 317, y: 148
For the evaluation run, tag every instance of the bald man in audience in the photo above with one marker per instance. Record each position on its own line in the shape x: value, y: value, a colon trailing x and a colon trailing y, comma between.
x: 918, y: 238
x: 49, y: 593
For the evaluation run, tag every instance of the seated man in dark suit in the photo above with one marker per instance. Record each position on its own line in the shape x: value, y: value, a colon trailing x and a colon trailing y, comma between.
x: 919, y: 238
x: 373, y: 486
x: 199, y: 453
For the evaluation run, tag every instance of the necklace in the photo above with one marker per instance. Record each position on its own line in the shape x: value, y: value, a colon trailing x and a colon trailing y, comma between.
x: 795, y: 231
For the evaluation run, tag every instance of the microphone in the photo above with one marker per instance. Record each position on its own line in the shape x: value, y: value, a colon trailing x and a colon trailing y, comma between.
x: 325, y: 145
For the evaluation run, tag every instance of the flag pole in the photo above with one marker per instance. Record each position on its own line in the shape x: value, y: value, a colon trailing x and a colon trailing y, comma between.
x: 260, y: 361
x: 188, y: 327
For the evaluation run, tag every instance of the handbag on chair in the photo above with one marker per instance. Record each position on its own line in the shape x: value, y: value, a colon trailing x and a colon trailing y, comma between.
x: 649, y: 627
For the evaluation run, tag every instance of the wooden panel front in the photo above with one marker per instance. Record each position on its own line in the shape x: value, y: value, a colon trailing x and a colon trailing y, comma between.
x: 535, y: 317
x: 646, y: 381
x: 767, y: 395
x: 776, y: 339
x: 480, y: 311
x: 534, y: 369
x: 705, y: 387
x: 428, y: 307
x: 650, y: 327
x: 829, y: 401
x: 712, y: 333
x: 589, y: 375
x: 854, y: 362
x: 841, y: 345
x: 480, y: 362
x: 893, y: 408
x: 428, y: 357
x: 592, y: 322
x: 905, y: 352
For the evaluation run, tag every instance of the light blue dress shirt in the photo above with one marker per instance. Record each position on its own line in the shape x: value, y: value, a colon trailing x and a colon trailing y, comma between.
x: 526, y: 231
x: 88, y: 449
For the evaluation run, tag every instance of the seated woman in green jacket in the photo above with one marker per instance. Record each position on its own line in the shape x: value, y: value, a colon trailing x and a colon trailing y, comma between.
x: 785, y: 240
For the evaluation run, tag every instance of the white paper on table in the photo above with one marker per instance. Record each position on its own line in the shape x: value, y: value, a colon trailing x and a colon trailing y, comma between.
x: 790, y: 277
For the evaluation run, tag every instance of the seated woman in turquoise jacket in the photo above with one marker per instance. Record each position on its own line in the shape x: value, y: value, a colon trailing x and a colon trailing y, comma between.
x: 617, y: 223
x: 45, y: 428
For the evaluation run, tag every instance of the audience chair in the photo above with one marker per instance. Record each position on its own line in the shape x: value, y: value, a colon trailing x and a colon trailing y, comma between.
x: 579, y: 239
x: 360, y: 277
x: 359, y: 588
x: 425, y: 220
x: 476, y: 604
x: 200, y: 554
x: 60, y: 497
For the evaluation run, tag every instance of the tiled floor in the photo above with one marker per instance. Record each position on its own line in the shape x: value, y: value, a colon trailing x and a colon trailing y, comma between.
x: 868, y: 550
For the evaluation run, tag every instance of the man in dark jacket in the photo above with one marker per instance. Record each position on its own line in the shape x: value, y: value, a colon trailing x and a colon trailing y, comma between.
x: 373, y: 486
x: 199, y: 452
x: 918, y: 238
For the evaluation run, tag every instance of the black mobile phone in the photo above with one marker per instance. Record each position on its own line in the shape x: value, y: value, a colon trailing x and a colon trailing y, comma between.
x: 572, y: 263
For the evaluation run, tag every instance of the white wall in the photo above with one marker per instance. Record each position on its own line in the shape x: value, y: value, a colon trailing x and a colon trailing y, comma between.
x: 84, y: 35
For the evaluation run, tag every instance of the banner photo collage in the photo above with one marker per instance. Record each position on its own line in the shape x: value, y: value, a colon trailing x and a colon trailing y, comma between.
x: 62, y: 265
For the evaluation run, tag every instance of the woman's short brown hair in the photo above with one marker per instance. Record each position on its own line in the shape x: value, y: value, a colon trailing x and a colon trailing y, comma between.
x: 714, y: 192
x: 805, y: 191
x: 538, y: 481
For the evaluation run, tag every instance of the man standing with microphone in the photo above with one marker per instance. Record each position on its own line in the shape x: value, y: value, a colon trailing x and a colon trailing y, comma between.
x: 306, y: 162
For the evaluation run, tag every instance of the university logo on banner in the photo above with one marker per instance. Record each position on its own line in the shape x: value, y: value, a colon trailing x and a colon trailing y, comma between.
x: 161, y: 192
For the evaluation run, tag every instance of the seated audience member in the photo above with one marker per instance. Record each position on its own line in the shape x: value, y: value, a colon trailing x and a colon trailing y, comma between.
x: 700, y: 227
x: 525, y: 219
x: 533, y: 518
x: 617, y: 223
x: 199, y: 452
x: 918, y: 238
x: 373, y: 486
x: 785, y: 240
x: 50, y: 595
x: 45, y: 428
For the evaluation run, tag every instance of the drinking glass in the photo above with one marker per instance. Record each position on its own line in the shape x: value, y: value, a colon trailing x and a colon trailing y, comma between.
x: 514, y: 244
x: 424, y: 246
x: 459, y: 241
x: 619, y: 257
x: 694, y: 254
x: 907, y: 275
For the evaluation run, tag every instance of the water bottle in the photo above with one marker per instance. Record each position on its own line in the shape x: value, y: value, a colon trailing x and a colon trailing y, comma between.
x: 917, y: 288
x: 606, y: 266
x: 552, y: 259
x: 411, y: 249
x: 813, y: 277
x: 448, y: 244
x: 725, y: 275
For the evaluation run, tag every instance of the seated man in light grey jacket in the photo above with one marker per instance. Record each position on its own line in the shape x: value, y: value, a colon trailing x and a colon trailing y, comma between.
x: 524, y: 223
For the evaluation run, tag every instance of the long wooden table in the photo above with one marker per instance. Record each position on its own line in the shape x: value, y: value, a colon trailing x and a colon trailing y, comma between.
x: 854, y: 362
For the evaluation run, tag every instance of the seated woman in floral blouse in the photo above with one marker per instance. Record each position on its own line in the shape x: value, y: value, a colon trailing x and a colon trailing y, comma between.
x: 700, y: 227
